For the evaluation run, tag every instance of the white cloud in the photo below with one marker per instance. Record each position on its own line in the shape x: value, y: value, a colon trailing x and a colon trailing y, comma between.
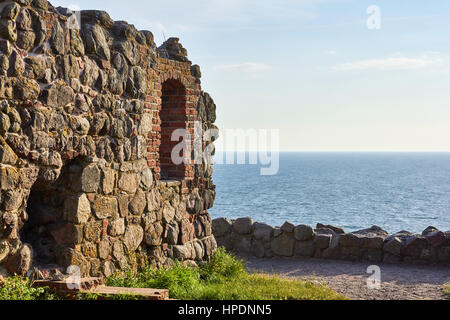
x: 397, y: 63
x: 331, y: 52
x: 245, y: 67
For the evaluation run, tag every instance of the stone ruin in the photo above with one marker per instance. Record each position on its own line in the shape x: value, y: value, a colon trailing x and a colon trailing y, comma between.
x: 87, y: 109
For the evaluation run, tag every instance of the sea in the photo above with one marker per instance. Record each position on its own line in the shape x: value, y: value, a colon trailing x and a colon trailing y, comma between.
x: 395, y: 191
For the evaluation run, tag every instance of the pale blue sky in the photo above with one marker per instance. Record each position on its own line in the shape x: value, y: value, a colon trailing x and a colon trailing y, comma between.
x: 312, y: 68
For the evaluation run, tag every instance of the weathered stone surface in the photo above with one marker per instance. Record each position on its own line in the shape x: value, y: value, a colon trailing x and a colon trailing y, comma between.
x: 20, y: 262
x: 77, y: 209
x: 436, y: 238
x: 243, y: 226
x: 117, y: 227
x: 283, y: 245
x: 322, y: 241
x: 222, y: 227
x: 262, y: 232
x: 335, y: 229
x: 304, y: 248
x: 393, y: 246
x: 288, y: 227
x: 138, y: 203
x: 134, y: 236
x: 105, y: 207
x: 90, y: 179
x: 304, y: 233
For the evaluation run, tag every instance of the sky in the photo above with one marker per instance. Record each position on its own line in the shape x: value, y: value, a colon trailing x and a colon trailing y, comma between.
x: 312, y: 68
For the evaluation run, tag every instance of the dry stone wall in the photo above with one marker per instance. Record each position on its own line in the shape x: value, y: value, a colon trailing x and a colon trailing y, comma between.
x: 81, y: 178
x: 248, y: 238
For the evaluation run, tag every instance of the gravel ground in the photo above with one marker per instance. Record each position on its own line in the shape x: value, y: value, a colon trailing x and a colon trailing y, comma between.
x: 350, y: 278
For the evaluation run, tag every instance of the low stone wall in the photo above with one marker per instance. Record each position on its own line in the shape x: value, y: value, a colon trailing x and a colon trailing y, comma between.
x: 248, y: 238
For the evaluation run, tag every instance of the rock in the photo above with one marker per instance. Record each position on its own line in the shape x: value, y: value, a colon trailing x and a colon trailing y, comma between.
x: 262, y: 232
x: 304, y: 248
x: 436, y: 238
x: 243, y: 226
x: 129, y: 182
x: 335, y: 229
x: 153, y: 236
x: 90, y: 179
x: 322, y: 241
x: 133, y: 238
x: 146, y: 179
x: 181, y: 253
x: 105, y: 207
x: 173, y: 232
x: 414, y: 246
x: 104, y: 249
x: 288, y: 227
x: 373, y: 231
x: 172, y: 49
x: 243, y: 245
x: 77, y: 209
x: 20, y: 262
x: 304, y: 233
x: 258, y: 249
x: 95, y: 41
x: 350, y: 240
x: 117, y: 227
x: 93, y: 231
x: 429, y: 230
x: 283, y: 245
x: 138, y: 203
x: 4, y: 250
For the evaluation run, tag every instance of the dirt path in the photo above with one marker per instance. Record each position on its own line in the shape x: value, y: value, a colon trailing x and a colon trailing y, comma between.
x: 349, y: 278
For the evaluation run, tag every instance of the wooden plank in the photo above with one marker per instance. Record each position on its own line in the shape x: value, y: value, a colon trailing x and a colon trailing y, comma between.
x: 149, y: 294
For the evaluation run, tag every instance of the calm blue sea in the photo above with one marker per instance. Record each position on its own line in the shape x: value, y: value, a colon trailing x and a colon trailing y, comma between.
x: 396, y: 191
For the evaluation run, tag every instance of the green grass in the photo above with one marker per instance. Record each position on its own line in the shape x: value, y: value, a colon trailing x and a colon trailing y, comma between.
x: 224, y: 277
x: 17, y: 288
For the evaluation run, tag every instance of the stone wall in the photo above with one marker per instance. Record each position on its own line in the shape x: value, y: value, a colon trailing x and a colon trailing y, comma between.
x: 82, y: 181
x: 247, y: 238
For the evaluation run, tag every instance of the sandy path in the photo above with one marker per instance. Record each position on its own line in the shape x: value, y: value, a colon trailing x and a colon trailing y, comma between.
x: 349, y: 278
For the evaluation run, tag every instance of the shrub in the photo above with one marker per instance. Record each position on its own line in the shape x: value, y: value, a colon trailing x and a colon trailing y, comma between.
x: 222, y: 266
x: 17, y: 288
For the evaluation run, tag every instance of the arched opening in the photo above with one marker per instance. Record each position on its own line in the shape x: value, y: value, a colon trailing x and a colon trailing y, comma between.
x: 173, y: 117
x: 47, y: 229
